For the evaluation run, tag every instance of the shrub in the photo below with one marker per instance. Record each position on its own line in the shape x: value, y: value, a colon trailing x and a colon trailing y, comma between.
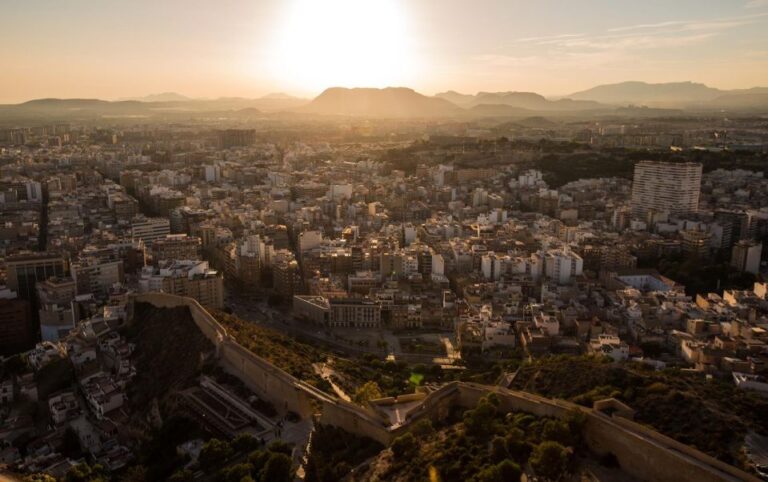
x: 245, y: 443
x: 405, y: 444
x: 423, y: 428
x: 550, y: 460
x: 369, y: 391
x: 214, y: 453
x: 277, y: 469
x: 235, y: 473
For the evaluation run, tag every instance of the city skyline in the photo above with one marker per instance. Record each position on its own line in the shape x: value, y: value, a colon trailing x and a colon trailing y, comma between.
x: 249, y: 49
x: 374, y: 240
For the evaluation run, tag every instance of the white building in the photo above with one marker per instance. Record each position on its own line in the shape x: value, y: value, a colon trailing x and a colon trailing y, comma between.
x: 150, y: 229
x: 665, y: 187
x: 610, y: 346
x: 563, y: 266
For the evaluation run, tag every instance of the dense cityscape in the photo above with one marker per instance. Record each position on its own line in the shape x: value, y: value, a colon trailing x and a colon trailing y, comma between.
x: 448, y: 255
x: 362, y: 282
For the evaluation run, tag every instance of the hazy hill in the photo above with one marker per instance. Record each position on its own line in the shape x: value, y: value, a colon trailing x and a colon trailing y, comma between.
x: 163, y: 97
x: 463, y: 100
x: 667, y: 94
x: 521, y: 100
x: 90, y: 108
x: 395, y: 102
x: 278, y: 95
x: 680, y: 95
x: 498, y: 110
x: 744, y: 101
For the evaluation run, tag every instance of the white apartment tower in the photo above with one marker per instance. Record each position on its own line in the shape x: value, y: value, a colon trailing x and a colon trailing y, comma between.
x: 672, y: 187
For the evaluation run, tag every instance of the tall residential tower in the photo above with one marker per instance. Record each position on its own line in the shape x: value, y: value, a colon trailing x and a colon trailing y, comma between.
x: 671, y: 187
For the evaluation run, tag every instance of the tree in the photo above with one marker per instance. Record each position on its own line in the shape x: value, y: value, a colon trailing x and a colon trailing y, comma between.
x: 509, y: 470
x: 423, y: 428
x: 258, y: 459
x: 368, y: 391
x: 39, y: 478
x: 550, y: 460
x: 182, y: 475
x: 557, y: 431
x: 499, y: 450
x: 245, y: 443
x: 517, y: 448
x: 405, y: 444
x: 235, y: 473
x: 85, y: 473
x: 214, y: 453
x: 277, y: 469
x: 504, y: 471
x: 479, y: 420
x: 280, y: 447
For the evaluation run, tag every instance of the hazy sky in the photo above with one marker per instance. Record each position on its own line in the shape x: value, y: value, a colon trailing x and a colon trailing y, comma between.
x: 116, y: 48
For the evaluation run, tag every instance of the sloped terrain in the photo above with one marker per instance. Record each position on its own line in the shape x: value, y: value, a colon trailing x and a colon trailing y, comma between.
x: 170, y: 350
x: 712, y: 416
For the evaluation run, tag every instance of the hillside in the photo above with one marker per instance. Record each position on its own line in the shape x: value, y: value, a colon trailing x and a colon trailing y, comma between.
x: 151, y: 106
x: 391, y: 102
x: 712, y: 416
x: 530, y: 101
x: 649, y: 94
x: 162, y: 97
x: 283, y: 351
x: 486, y: 444
x: 164, y: 367
x: 689, y: 95
x: 498, y: 110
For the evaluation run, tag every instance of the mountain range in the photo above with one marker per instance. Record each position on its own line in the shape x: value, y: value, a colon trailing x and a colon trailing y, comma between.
x: 522, y: 100
x: 623, y: 99
x: 673, y: 94
x: 389, y: 102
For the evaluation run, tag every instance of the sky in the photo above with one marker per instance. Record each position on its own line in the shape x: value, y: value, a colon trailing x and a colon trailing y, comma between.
x: 114, y: 49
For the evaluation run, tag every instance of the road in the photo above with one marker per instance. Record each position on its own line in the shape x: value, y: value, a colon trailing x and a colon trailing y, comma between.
x: 343, y: 340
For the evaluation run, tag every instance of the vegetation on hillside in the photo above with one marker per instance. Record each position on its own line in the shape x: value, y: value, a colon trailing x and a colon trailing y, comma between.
x: 279, y: 349
x: 711, y: 415
x: 702, y: 275
x: 482, y: 444
x: 242, y: 459
x: 559, y: 168
x: 335, y: 452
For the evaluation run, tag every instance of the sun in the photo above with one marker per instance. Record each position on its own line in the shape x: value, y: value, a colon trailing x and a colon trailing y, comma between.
x: 347, y: 43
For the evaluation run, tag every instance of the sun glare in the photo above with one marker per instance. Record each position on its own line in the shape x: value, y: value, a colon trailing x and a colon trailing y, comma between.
x: 360, y: 43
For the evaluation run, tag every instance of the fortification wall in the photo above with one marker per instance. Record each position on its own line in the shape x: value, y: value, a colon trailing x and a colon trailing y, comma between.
x: 268, y: 381
x: 640, y: 451
x: 353, y: 420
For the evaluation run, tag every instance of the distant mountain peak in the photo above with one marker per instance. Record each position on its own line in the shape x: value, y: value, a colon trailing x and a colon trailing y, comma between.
x: 645, y: 93
x: 278, y: 96
x: 391, y: 102
x: 161, y: 97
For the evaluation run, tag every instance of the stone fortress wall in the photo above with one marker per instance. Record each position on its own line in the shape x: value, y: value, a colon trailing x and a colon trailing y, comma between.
x: 640, y: 451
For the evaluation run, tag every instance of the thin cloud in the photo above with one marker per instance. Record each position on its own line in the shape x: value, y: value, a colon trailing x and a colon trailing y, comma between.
x: 723, y: 23
x: 550, y: 37
x: 670, y: 23
x: 756, y: 4
x: 646, y: 36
